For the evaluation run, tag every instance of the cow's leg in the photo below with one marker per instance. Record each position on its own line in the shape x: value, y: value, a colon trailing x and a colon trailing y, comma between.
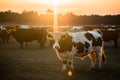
x: 99, y: 56
x: 26, y: 43
x: 64, y: 65
x: 71, y: 64
x: 116, y: 43
x: 3, y: 40
x: 93, y: 60
x: 21, y: 45
x: 103, y: 55
x: 41, y: 44
x: 99, y: 60
x: 8, y: 40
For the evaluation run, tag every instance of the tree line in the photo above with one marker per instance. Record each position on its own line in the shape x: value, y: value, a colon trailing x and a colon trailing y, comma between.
x: 66, y: 19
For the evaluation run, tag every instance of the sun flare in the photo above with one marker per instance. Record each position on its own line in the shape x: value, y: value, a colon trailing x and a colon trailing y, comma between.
x: 69, y: 73
x: 52, y: 2
x: 55, y: 2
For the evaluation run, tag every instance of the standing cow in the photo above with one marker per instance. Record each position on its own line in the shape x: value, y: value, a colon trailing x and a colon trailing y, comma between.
x: 29, y: 35
x: 111, y: 35
x: 79, y: 44
x: 4, y: 34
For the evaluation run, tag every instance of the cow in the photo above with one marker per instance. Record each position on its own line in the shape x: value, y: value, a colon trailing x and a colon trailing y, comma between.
x: 29, y: 35
x: 111, y: 35
x: 68, y: 45
x: 4, y: 34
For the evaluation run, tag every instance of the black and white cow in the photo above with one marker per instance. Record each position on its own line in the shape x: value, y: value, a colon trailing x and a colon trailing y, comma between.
x: 79, y: 44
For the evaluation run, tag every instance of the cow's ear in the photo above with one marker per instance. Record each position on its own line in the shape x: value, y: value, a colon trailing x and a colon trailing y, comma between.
x: 49, y: 36
x: 65, y: 36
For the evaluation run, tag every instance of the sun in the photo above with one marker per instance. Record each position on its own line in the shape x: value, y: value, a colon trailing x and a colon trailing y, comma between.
x: 53, y: 2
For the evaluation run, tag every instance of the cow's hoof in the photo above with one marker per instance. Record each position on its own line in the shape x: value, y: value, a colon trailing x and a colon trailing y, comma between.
x: 72, y: 69
x: 98, y: 69
x: 63, y: 70
x: 92, y: 69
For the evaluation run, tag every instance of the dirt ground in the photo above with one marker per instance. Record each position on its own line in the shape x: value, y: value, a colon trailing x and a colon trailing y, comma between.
x: 33, y: 63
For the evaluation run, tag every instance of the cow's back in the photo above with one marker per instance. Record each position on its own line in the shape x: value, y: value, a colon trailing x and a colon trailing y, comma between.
x: 110, y: 35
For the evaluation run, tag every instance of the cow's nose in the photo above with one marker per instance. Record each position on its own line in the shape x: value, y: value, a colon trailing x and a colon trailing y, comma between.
x: 57, y: 47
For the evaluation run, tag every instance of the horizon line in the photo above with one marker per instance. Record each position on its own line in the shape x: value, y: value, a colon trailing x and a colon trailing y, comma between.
x: 45, y: 12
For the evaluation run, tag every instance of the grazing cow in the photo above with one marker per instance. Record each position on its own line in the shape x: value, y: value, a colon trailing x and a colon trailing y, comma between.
x: 29, y: 35
x: 4, y: 34
x: 79, y: 44
x: 111, y: 35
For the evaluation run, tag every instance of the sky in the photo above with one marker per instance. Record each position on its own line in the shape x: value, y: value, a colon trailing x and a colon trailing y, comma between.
x: 78, y: 7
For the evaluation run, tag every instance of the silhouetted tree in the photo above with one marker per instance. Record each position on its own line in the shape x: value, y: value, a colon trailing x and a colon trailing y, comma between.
x: 67, y: 19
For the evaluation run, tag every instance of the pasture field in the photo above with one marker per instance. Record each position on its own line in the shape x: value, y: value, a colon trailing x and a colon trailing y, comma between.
x: 42, y: 64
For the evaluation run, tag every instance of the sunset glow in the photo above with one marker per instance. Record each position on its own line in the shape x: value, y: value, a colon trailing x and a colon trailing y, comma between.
x: 79, y: 7
x: 45, y: 1
x: 55, y: 3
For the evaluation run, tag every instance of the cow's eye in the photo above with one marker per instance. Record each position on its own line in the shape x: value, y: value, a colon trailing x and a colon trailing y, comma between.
x: 50, y: 37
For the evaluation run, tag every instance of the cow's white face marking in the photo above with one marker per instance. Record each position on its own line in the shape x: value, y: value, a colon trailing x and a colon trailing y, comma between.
x: 56, y: 37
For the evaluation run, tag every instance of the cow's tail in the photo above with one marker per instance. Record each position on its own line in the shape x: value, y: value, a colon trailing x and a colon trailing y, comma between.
x: 103, y: 55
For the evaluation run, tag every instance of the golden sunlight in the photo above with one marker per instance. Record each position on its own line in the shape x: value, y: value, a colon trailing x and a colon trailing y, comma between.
x: 55, y: 3
x: 78, y: 7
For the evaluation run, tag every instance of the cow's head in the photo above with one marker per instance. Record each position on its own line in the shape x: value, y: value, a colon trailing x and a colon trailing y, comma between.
x: 12, y: 30
x: 57, y: 36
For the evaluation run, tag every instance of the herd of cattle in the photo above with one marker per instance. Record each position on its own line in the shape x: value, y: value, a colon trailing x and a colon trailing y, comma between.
x: 25, y: 34
x: 110, y: 32
x: 87, y: 41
